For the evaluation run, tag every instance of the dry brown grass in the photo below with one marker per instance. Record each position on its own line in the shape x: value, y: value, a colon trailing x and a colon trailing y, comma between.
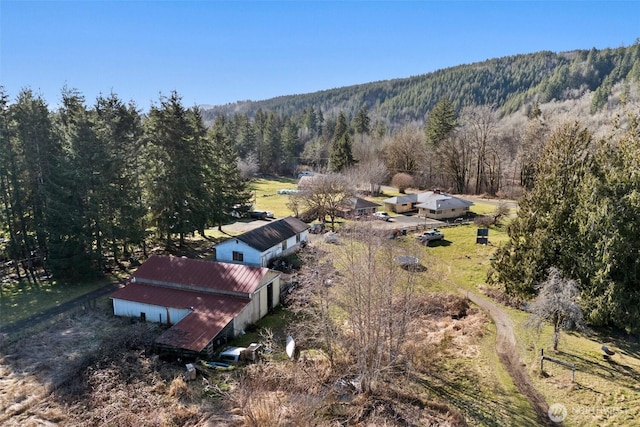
x: 311, y: 392
x: 92, y: 369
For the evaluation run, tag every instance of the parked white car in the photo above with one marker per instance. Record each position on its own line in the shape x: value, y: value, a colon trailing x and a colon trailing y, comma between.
x: 231, y: 354
x: 382, y: 215
x: 430, y: 236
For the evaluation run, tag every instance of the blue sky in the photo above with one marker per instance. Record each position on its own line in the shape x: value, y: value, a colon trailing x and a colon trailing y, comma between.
x: 216, y: 52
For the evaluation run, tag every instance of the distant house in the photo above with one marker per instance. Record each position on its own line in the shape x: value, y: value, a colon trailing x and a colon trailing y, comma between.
x: 355, y: 207
x: 431, y: 204
x: 207, y: 302
x: 260, y: 245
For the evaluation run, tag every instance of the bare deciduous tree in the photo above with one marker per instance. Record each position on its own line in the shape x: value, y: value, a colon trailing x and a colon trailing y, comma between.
x: 405, y: 150
x: 376, y: 297
x: 369, y: 176
x: 455, y: 155
x: 478, y: 127
x: 557, y: 303
x: 311, y: 304
x: 249, y: 166
x: 323, y: 195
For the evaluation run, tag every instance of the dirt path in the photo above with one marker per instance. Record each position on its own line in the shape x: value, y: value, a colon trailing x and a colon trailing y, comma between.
x: 37, y: 318
x: 508, y: 354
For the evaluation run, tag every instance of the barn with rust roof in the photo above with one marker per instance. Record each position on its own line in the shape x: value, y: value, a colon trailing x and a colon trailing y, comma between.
x: 207, y: 303
x: 262, y: 244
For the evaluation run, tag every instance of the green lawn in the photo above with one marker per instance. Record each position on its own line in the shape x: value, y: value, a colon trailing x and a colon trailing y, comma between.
x: 605, y: 393
x: 266, y: 197
x: 21, y: 300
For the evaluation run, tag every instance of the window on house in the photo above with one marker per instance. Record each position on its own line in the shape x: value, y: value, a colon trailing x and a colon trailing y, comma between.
x: 298, y: 238
x: 238, y: 256
x: 432, y: 211
x: 284, y: 245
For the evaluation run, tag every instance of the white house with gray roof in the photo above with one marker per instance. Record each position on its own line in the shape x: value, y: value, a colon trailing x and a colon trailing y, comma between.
x: 260, y: 245
x: 431, y: 204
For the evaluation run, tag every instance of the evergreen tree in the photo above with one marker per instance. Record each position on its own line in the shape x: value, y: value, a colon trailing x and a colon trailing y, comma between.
x: 38, y: 150
x: 119, y: 130
x: 226, y: 187
x: 441, y: 122
x: 609, y: 220
x: 272, y: 146
x: 290, y: 146
x: 176, y: 163
x: 545, y: 232
x: 8, y: 180
x: 341, y: 156
x: 362, y: 122
x: 74, y: 223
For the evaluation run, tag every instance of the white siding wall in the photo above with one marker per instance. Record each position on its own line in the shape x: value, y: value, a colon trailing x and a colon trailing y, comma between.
x: 224, y: 252
x: 153, y: 313
x: 261, y: 295
x: 269, y: 254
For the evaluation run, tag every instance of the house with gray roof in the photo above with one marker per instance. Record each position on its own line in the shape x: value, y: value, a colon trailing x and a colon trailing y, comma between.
x: 260, y: 245
x: 431, y: 204
x: 354, y: 207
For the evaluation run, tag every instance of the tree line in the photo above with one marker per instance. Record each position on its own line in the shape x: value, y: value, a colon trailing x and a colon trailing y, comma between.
x: 581, y: 218
x: 84, y: 186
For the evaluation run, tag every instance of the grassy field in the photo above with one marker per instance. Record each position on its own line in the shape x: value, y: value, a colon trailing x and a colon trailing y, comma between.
x: 606, y: 392
x: 21, y: 300
x: 266, y: 197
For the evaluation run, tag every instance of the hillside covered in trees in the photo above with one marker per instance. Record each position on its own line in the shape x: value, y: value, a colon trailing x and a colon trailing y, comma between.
x: 509, y: 83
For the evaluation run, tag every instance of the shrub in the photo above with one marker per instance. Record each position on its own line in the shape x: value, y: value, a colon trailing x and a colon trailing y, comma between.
x: 402, y: 181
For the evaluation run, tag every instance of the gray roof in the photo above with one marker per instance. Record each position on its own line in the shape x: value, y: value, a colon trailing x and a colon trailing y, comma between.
x: 430, y: 200
x: 359, y: 203
x: 441, y: 201
x: 402, y: 200
x: 267, y: 236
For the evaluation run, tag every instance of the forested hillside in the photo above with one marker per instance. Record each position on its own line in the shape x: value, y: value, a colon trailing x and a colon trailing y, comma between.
x: 508, y: 83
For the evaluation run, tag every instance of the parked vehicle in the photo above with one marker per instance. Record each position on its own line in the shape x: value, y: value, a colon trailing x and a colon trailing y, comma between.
x: 287, y: 191
x: 234, y: 355
x: 382, y: 215
x: 430, y: 236
x: 317, y: 228
x: 258, y: 214
x: 231, y: 355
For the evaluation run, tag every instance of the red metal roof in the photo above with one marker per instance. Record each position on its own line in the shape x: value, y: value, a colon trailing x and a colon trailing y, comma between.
x: 210, y: 314
x: 216, y: 276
